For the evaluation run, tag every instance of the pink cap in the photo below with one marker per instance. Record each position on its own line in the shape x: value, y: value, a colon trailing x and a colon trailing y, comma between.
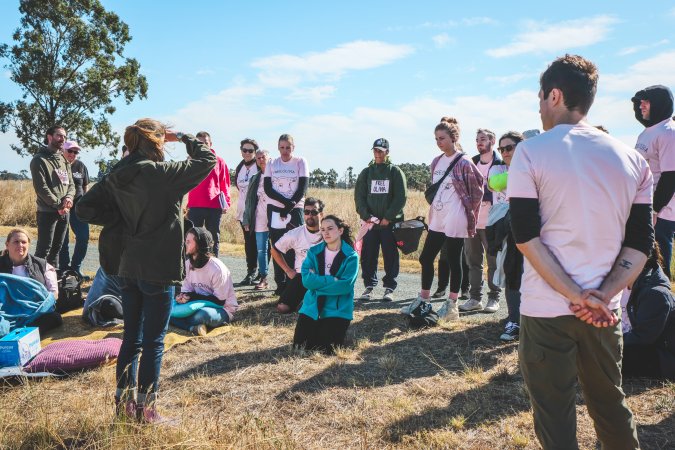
x: 70, y: 144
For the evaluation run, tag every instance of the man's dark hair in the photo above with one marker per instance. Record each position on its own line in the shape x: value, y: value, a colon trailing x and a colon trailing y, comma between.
x: 249, y: 141
x: 576, y: 77
x: 311, y: 201
x: 51, y: 130
x: 202, y: 134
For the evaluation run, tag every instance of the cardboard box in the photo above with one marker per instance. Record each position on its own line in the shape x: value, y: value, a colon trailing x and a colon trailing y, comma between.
x: 19, y: 346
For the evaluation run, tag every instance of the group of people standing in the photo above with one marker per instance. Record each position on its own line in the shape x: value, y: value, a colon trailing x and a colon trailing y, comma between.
x: 565, y: 221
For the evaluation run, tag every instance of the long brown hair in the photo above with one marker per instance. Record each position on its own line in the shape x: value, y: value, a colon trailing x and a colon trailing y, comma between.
x: 146, y: 137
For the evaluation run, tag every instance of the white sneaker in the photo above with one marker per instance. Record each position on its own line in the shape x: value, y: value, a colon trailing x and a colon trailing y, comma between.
x: 448, y: 310
x: 471, y: 305
x: 492, y: 306
x: 367, y: 294
x: 406, y: 310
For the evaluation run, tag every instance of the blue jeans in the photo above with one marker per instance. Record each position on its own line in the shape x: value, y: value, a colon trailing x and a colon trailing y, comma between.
x: 262, y: 243
x: 208, y: 218
x: 211, y: 317
x: 665, y: 229
x: 147, y: 308
x: 81, y: 230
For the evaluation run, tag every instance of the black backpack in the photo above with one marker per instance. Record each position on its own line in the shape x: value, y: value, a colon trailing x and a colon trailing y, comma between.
x: 407, y: 234
x: 423, y: 316
x: 70, y: 292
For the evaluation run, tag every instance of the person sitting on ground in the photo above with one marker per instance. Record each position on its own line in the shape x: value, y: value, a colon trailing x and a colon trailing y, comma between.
x: 103, y: 305
x: 206, y: 279
x: 17, y: 260
x: 649, y: 342
x: 299, y: 240
x: 328, y: 273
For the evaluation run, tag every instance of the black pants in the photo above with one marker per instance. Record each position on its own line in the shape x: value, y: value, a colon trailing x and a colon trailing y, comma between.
x: 251, y: 250
x: 323, y: 334
x: 640, y: 361
x: 294, y: 293
x: 51, y: 228
x: 280, y: 277
x: 374, y: 239
x: 432, y: 246
x: 208, y: 218
x: 444, y: 271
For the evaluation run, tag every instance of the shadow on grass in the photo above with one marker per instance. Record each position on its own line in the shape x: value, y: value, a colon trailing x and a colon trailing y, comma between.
x: 659, y: 435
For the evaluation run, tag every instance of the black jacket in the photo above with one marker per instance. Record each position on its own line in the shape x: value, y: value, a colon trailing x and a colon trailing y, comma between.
x: 36, y: 267
x: 660, y: 104
x: 139, y: 205
x: 651, y: 311
x: 496, y: 161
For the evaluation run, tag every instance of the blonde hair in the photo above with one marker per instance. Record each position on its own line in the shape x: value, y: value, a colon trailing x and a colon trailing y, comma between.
x: 450, y: 126
x: 13, y: 232
x: 146, y: 137
x: 288, y: 138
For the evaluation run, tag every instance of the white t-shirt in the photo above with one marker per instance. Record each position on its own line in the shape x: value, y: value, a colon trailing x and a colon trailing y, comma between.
x: 657, y: 145
x: 299, y: 239
x: 586, y: 182
x: 285, y: 177
x: 243, y: 178
x: 51, y: 281
x: 446, y: 213
x: 261, y: 210
x: 212, y: 279
x: 484, y: 212
x: 330, y: 257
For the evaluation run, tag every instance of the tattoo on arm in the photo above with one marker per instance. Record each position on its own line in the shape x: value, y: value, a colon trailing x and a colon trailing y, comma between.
x: 624, y: 263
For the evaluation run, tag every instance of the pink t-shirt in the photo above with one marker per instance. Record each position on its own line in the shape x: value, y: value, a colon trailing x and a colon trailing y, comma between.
x: 657, y: 145
x: 330, y: 257
x: 286, y: 176
x: 446, y: 213
x: 212, y: 279
x: 299, y: 239
x: 51, y: 281
x: 261, y: 210
x: 585, y: 181
x: 482, y: 220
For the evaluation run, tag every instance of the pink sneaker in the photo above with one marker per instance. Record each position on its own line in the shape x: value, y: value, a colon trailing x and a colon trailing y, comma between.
x: 126, y: 410
x: 150, y: 415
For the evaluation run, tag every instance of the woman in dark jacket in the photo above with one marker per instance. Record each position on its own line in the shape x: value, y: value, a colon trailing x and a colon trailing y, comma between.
x: 139, y: 205
x: 649, y: 344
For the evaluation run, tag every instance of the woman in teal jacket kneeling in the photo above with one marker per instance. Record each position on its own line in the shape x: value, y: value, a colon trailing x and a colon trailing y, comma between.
x: 329, y: 273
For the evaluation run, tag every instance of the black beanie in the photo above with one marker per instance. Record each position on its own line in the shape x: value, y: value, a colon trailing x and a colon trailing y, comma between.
x: 203, y: 238
x: 660, y: 104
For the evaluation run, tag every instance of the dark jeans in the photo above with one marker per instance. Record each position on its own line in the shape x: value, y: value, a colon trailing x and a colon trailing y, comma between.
x: 444, y: 271
x: 513, y: 304
x: 81, y: 230
x: 251, y: 250
x: 208, y: 218
x: 147, y: 308
x: 432, y: 246
x: 294, y: 293
x: 665, y: 229
x: 370, y: 252
x: 51, y: 228
x: 323, y: 334
x: 641, y: 361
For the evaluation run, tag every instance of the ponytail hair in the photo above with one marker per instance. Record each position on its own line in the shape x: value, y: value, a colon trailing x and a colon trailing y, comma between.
x: 346, y: 229
x: 450, y: 126
x: 146, y: 137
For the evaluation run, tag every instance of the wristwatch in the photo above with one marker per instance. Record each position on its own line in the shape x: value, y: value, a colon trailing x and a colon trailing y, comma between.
x: 179, y: 135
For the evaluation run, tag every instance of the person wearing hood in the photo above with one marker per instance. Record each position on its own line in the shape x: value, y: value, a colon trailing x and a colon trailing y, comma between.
x: 649, y: 339
x: 653, y: 108
x: 206, y: 278
x: 140, y: 204
x: 53, y: 184
x: 380, y: 196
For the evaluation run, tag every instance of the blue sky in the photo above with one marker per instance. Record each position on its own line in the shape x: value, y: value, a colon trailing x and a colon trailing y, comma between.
x: 339, y: 75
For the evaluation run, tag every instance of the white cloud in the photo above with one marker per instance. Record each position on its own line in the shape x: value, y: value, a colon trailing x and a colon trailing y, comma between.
x: 205, y: 71
x: 638, y: 48
x: 473, y: 21
x: 312, y: 94
x: 659, y: 69
x: 442, y: 40
x: 289, y: 70
x: 538, y: 37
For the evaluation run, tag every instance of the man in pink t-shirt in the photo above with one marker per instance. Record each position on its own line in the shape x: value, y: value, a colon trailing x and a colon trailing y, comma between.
x: 580, y: 205
x: 211, y: 198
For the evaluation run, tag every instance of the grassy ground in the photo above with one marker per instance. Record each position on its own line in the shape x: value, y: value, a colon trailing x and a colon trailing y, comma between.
x: 454, y: 386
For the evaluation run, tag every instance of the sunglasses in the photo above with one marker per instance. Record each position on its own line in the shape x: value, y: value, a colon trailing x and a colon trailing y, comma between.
x: 73, y: 152
x: 312, y: 212
x: 507, y: 148
x: 247, y: 150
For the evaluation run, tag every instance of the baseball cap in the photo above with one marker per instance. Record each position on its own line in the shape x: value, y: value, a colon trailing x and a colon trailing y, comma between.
x: 70, y: 144
x: 381, y: 144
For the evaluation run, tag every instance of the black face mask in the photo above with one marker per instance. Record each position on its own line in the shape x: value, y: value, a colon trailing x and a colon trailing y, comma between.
x: 660, y: 104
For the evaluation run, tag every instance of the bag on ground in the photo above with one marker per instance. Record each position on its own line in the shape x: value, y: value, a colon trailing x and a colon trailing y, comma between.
x: 423, y: 316
x: 408, y: 234
x: 70, y: 292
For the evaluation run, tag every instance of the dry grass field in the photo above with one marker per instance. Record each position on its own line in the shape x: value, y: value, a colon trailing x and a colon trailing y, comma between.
x: 454, y: 387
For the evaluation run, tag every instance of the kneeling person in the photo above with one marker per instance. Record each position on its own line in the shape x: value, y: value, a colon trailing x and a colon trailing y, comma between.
x: 206, y: 279
x: 298, y: 240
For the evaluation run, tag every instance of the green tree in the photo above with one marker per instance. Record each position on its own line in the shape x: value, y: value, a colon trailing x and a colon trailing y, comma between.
x: 68, y: 60
x: 417, y: 175
x: 331, y: 178
x: 317, y: 178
